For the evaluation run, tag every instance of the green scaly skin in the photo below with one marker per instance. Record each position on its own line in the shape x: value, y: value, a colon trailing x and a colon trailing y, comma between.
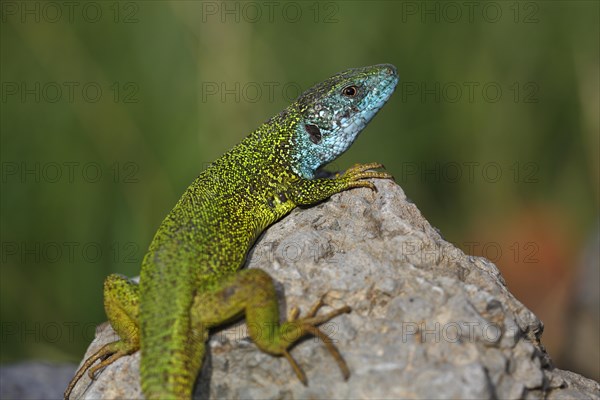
x: 191, y: 279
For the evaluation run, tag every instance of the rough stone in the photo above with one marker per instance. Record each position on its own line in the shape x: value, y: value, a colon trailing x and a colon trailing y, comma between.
x: 428, y: 321
x: 32, y: 380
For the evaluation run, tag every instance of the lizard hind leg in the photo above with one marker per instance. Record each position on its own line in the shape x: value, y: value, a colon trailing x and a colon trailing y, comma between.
x: 252, y: 293
x: 121, y: 303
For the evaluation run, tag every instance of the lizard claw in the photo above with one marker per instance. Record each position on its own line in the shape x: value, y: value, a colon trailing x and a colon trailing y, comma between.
x: 308, y: 325
x: 108, y: 354
x: 356, y: 174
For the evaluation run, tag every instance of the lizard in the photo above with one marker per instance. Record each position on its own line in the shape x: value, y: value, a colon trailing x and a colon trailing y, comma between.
x: 191, y: 277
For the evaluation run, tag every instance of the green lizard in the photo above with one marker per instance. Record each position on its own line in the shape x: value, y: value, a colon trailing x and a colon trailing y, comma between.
x: 191, y: 279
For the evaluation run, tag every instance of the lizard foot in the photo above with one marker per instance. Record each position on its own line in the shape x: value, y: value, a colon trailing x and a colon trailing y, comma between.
x: 108, y: 354
x: 308, y: 325
x: 356, y: 174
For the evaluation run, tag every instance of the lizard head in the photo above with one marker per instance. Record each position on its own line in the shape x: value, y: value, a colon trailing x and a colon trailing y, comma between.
x: 334, y: 112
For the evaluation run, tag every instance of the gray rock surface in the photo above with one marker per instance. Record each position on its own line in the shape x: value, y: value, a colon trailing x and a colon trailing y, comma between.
x: 34, y: 380
x: 428, y: 321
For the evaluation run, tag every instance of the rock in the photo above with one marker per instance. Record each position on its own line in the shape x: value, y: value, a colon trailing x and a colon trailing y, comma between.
x: 428, y: 321
x: 34, y: 380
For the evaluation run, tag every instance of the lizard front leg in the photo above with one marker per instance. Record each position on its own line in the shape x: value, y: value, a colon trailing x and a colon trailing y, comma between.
x: 251, y: 293
x: 311, y: 191
x: 121, y: 303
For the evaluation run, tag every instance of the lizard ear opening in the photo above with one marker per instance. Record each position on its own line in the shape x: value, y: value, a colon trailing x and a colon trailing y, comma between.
x: 314, y: 133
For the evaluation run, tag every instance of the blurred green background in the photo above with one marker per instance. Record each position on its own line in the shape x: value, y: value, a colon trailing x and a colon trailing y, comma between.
x: 109, y: 110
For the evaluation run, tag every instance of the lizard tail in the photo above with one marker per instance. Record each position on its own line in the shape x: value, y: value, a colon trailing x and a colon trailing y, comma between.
x: 171, y: 361
x: 172, y: 351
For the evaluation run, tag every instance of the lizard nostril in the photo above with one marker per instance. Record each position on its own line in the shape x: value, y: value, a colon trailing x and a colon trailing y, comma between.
x: 390, y: 69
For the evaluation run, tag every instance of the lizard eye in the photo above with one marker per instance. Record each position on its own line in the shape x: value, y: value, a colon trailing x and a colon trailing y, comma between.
x: 350, y: 91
